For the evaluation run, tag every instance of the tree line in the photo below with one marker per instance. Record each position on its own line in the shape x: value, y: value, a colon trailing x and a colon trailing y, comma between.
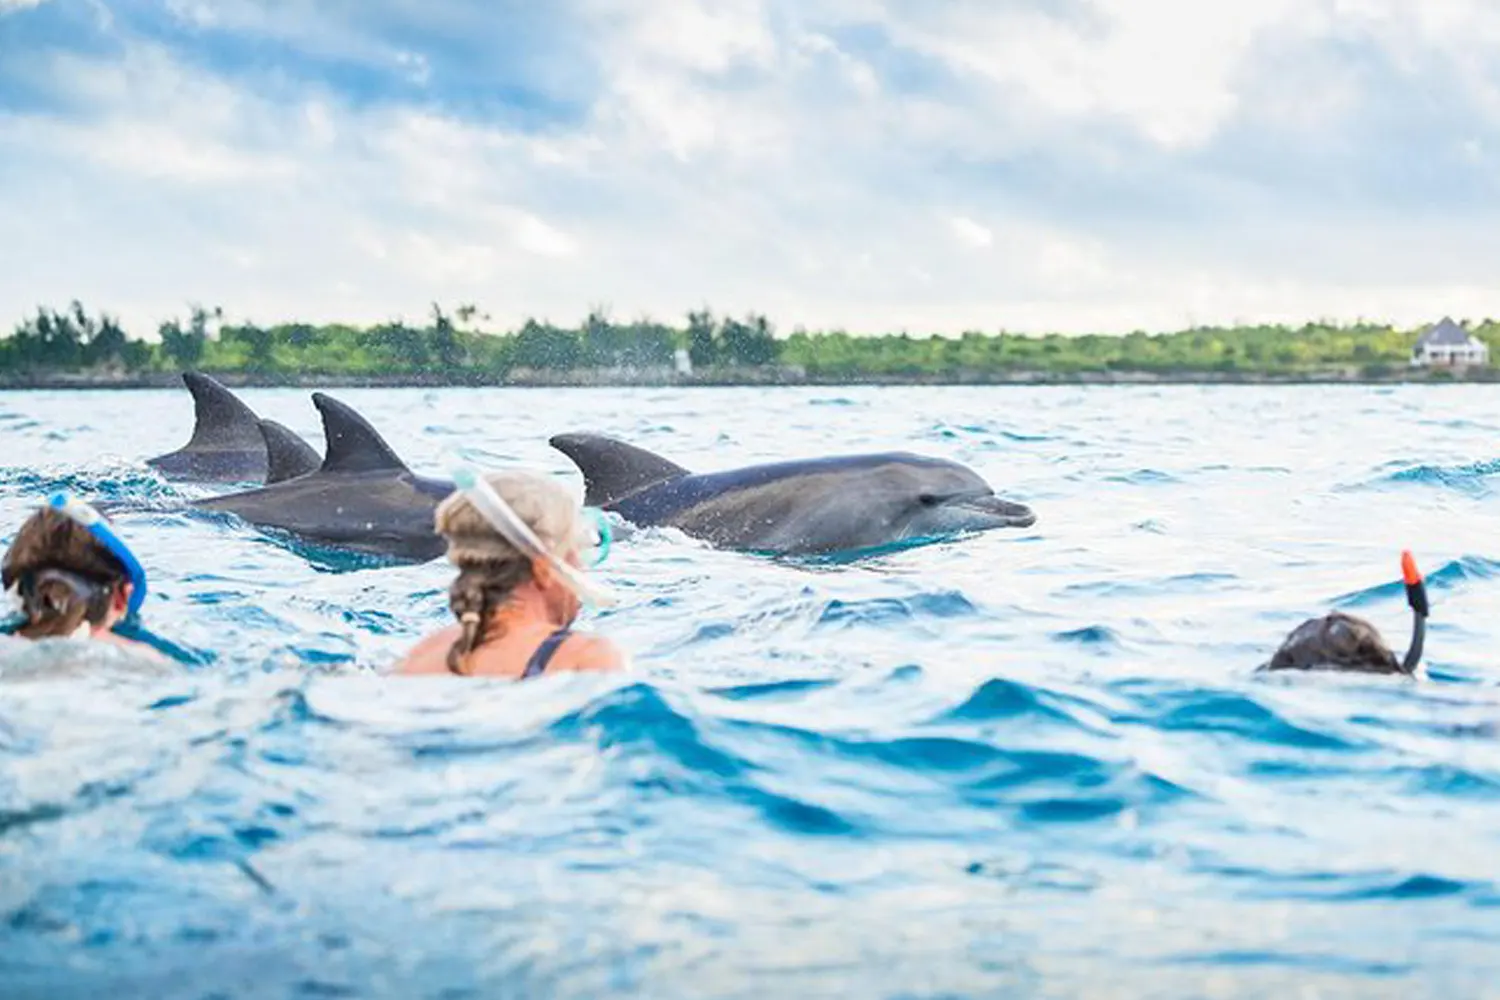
x: 451, y: 345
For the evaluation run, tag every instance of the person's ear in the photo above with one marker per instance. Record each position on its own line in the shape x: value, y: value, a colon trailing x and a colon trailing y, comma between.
x: 543, y: 574
x: 119, y: 601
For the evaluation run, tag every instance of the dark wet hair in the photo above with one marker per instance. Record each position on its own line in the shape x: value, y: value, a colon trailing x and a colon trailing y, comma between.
x: 479, y: 590
x: 1336, y: 641
x: 63, y: 574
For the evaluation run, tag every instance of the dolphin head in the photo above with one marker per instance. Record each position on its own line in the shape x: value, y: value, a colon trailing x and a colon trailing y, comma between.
x: 957, y: 514
x: 945, y: 498
x: 906, y: 498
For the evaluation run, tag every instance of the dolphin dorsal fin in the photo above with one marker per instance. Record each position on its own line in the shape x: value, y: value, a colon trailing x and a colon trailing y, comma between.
x: 221, y: 422
x: 613, y: 470
x: 353, y: 445
x: 287, y: 455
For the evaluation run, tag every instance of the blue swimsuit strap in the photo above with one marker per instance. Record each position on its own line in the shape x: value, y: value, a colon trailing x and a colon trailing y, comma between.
x: 544, y: 653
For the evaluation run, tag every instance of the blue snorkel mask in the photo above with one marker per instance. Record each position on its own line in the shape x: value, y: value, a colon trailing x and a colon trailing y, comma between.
x: 81, y: 513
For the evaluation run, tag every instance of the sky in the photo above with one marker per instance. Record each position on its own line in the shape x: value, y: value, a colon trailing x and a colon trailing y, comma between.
x: 932, y: 166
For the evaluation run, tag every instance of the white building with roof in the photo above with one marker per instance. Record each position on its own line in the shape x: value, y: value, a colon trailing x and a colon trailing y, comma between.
x: 1447, y: 344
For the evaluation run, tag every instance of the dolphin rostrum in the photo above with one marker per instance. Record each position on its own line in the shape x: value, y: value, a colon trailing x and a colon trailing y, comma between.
x: 362, y: 497
x: 226, y: 446
x: 812, y: 506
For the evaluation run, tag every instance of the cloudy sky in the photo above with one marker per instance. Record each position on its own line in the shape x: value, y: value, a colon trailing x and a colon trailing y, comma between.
x: 928, y: 165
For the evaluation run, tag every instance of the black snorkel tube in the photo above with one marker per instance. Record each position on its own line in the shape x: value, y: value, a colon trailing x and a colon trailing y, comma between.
x: 1416, y: 598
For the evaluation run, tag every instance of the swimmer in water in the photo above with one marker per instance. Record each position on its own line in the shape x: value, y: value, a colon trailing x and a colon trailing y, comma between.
x: 1343, y: 642
x: 73, y: 578
x: 521, y: 544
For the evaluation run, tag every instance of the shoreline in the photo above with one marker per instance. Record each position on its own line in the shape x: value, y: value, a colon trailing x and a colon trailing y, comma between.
x: 741, y: 378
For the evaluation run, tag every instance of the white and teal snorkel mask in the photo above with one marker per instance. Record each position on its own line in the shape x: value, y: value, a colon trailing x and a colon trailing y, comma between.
x: 516, y: 531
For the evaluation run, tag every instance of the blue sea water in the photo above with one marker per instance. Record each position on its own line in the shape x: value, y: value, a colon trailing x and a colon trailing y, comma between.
x: 1032, y: 763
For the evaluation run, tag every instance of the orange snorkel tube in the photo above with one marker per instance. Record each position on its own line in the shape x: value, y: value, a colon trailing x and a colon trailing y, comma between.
x: 1416, y: 597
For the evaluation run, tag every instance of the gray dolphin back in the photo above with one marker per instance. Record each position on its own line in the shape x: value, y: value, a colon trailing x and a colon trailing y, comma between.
x: 226, y: 445
x: 361, y: 497
x: 353, y: 444
x: 221, y: 421
x: 613, y: 470
x: 287, y: 455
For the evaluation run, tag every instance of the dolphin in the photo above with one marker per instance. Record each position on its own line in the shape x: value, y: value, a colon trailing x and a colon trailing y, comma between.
x: 806, y: 507
x: 362, y: 497
x: 226, y: 446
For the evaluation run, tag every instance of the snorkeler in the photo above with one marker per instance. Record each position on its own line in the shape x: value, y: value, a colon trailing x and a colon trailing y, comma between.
x: 73, y: 577
x: 1339, y: 641
x: 520, y: 543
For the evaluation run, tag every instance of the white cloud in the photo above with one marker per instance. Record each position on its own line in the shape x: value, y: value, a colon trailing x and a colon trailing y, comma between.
x: 869, y: 164
x: 708, y: 37
x: 537, y: 236
x: 1164, y: 67
x: 970, y: 233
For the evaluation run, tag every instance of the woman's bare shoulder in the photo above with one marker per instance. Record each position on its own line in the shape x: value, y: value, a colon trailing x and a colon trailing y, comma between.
x: 430, y: 656
x: 584, y: 651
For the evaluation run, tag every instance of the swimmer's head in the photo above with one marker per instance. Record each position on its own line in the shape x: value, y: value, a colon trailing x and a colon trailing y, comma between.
x: 546, y: 508
x: 64, y: 577
x: 1336, y: 641
x: 492, y: 567
x: 1340, y: 641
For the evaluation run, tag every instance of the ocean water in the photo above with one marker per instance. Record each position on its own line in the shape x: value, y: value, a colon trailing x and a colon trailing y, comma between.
x: 1031, y: 763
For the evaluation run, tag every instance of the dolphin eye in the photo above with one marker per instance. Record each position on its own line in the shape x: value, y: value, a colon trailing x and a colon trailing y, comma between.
x: 929, y: 499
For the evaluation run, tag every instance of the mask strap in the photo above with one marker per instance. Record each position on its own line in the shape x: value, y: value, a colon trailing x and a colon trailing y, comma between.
x: 506, y: 521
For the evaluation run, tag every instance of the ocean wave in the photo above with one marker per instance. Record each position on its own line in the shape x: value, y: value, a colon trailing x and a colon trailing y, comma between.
x: 1090, y: 636
x: 978, y: 767
x: 886, y: 611
x: 1472, y: 477
x: 1144, y: 477
x: 1348, y: 886
x: 999, y: 698
x: 1182, y: 583
x: 121, y: 487
x: 1204, y: 710
x: 1449, y: 576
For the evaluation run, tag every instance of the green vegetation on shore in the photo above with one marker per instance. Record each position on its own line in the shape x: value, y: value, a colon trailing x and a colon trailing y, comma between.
x: 450, y: 348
